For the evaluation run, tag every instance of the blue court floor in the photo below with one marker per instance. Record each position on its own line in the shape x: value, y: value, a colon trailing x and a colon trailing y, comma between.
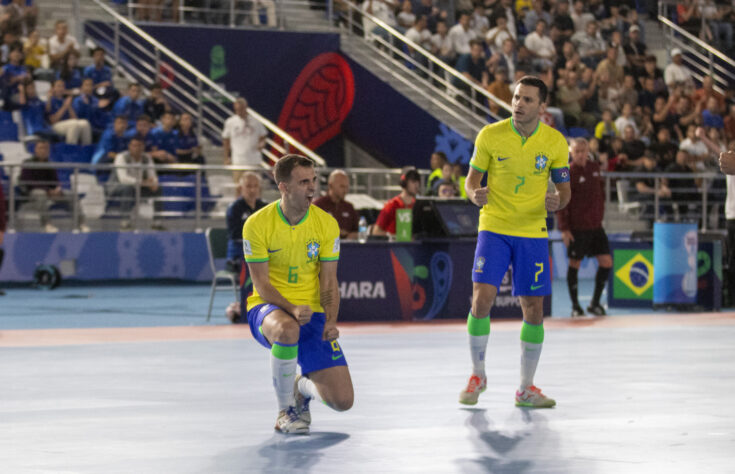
x: 129, y: 380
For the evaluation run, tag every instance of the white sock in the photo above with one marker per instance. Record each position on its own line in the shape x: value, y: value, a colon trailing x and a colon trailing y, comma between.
x: 309, y: 390
x: 478, y: 348
x: 284, y: 373
x: 530, y: 354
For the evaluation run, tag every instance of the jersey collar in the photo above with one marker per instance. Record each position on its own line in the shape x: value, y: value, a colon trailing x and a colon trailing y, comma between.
x: 280, y: 213
x: 524, y: 139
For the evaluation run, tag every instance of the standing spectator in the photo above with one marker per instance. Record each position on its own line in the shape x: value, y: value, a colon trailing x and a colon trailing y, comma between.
x: 243, y: 138
x: 338, y: 186
x: 13, y: 74
x: 124, y: 179
x: 113, y: 141
x: 34, y: 51
x: 130, y: 105
x: 246, y: 204
x: 676, y: 74
x: 720, y: 28
x: 460, y: 35
x: 188, y: 148
x: 143, y: 128
x: 165, y: 140
x: 386, y: 223
x: 101, y: 75
x: 42, y: 188
x: 581, y: 226
x: 63, y: 119
x: 61, y: 44
x: 156, y: 104
x: 540, y: 46
x: 2, y: 230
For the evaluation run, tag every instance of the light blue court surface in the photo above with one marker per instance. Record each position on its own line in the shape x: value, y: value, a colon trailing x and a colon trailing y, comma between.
x: 635, y: 395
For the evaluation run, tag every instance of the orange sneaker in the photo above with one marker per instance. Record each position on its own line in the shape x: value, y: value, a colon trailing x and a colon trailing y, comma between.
x: 532, y: 397
x: 472, y: 392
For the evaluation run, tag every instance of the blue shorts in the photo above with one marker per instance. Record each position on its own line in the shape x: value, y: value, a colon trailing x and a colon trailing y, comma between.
x: 314, y: 353
x: 529, y: 257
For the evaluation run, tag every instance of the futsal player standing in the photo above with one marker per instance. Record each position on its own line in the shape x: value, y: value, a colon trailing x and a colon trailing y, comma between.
x: 519, y: 155
x: 292, y: 248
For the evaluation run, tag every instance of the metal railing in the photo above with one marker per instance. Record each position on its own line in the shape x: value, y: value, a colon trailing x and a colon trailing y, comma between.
x: 701, y: 58
x: 141, y: 58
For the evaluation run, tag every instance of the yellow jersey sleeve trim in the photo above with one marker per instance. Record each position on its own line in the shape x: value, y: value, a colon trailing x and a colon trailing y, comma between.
x: 478, y: 168
x: 256, y: 260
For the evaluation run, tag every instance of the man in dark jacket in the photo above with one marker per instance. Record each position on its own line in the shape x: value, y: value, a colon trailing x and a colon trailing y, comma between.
x: 581, y: 226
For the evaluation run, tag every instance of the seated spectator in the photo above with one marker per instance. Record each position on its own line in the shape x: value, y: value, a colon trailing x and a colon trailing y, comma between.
x: 61, y: 44
x: 506, y: 58
x: 635, y: 51
x: 461, y: 34
x: 633, y: 148
x: 498, y: 34
x: 647, y: 95
x: 143, y: 127
x: 338, y: 186
x: 563, y: 21
x: 33, y: 112
x: 446, y: 189
x: 165, y: 140
x: 90, y: 108
x: 663, y: 149
x: 611, y: 68
x: 676, y: 74
x: 535, y: 14
x: 433, y: 14
x: 703, y: 94
x: 124, y: 180
x: 382, y: 10
x: 580, y: 16
x: 441, y: 44
x: 606, y: 130
x: 18, y: 17
x: 446, y: 175
x: 719, y: 26
x: 473, y: 68
x: 71, y: 74
x: 13, y: 74
x: 663, y: 117
x: 130, y: 105
x: 711, y: 115
x: 479, y: 22
x: 34, y: 51
x: 459, y: 177
x: 386, y: 223
x: 406, y: 18
x: 505, y: 7
x: 101, y: 76
x: 684, y: 191
x: 628, y: 93
x: 64, y: 120
x: 625, y: 119
x: 246, y: 204
x: 571, y: 102
x: 156, y: 104
x: 436, y: 162
x: 697, y: 149
x: 650, y: 69
x: 500, y: 88
x: 689, y: 16
x: 540, y: 46
x: 113, y: 141
x: 10, y: 42
x: 42, y: 188
x: 645, y: 189
x: 590, y: 45
x: 188, y: 150
x: 684, y: 114
x: 419, y: 34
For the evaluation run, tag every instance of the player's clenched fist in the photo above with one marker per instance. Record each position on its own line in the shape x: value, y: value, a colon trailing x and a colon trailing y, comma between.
x: 302, y: 313
x: 479, y: 196
x: 727, y: 162
x: 552, y: 202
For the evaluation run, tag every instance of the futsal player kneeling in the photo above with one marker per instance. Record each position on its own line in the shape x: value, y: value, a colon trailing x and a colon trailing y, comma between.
x: 292, y: 248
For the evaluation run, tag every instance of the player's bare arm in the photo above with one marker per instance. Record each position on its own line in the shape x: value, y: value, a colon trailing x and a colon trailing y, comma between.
x: 558, y: 200
x: 262, y: 284
x: 329, y: 298
x: 473, y: 185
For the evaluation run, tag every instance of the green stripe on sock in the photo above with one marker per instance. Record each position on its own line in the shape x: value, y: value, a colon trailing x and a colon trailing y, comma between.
x: 478, y: 326
x: 284, y: 352
x: 533, y: 333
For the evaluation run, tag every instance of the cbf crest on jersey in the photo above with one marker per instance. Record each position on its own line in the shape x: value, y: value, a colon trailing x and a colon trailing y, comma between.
x: 479, y: 264
x: 541, y: 162
x: 312, y: 251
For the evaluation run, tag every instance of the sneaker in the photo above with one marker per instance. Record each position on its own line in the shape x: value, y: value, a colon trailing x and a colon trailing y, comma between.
x: 532, y: 397
x: 472, y: 392
x: 577, y: 312
x: 288, y: 422
x: 302, y: 402
x: 50, y: 229
x: 596, y: 309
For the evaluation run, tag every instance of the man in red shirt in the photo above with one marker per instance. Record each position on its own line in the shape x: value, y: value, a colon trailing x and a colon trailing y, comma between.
x: 386, y: 223
x: 581, y: 225
x: 334, y: 203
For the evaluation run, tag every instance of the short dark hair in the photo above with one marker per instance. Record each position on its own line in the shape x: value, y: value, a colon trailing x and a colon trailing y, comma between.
x: 534, y: 81
x: 143, y: 118
x: 121, y: 117
x: 98, y: 48
x: 137, y: 138
x: 409, y: 174
x: 286, y: 164
x: 133, y: 84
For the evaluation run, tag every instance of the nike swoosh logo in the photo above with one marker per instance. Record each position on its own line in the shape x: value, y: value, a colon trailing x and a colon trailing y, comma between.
x: 289, y: 375
x: 503, y: 159
x: 535, y: 287
x: 274, y: 251
x: 337, y: 357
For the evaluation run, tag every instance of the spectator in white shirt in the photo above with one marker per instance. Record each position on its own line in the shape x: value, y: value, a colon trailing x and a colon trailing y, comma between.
x: 540, y: 46
x: 460, y: 35
x: 441, y: 43
x: 676, y: 73
x: 580, y: 17
x: 626, y: 119
x: 506, y: 7
x: 590, y: 45
x: 61, y: 44
x: 479, y: 22
x: 406, y: 18
x: 419, y: 34
x: 382, y: 10
x: 497, y: 35
x: 243, y: 138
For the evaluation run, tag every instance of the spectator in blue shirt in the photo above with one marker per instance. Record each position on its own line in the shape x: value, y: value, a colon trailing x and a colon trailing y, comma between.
x: 189, y: 150
x: 101, y: 75
x: 70, y: 73
x: 63, y: 119
x: 131, y: 105
x: 90, y: 108
x: 33, y: 112
x: 711, y: 115
x: 113, y: 141
x: 13, y: 74
x: 165, y: 140
x: 143, y: 129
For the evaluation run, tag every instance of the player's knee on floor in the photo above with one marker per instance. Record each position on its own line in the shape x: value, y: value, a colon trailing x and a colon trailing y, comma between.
x: 341, y: 402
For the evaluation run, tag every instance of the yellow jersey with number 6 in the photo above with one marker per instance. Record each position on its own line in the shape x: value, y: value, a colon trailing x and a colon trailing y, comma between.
x: 518, y: 171
x: 294, y: 252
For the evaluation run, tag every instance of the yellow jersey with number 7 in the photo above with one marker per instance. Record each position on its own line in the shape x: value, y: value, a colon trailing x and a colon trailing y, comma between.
x: 518, y: 171
x: 294, y: 252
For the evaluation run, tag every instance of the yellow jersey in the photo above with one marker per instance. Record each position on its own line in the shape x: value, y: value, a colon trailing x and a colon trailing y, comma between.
x: 293, y: 252
x: 518, y: 171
